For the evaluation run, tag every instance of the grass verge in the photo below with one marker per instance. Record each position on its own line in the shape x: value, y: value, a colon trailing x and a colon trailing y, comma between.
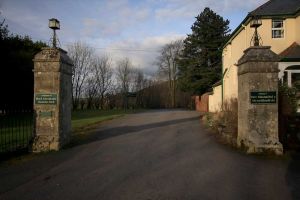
x: 85, y: 121
x: 82, y: 119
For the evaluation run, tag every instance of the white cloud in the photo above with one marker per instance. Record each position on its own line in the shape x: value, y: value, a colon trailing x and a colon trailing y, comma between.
x: 142, y: 53
x: 178, y: 9
x: 23, y: 19
x: 115, y: 17
x: 117, y: 24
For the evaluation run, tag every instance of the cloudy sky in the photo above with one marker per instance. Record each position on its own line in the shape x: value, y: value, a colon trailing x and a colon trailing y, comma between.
x: 121, y: 28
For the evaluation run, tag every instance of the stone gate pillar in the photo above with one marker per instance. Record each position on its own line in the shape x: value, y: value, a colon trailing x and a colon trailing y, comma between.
x: 258, y: 101
x: 52, y: 99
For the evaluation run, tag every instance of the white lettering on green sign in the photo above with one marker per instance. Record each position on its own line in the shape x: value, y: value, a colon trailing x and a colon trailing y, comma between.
x: 46, y: 99
x: 263, y: 97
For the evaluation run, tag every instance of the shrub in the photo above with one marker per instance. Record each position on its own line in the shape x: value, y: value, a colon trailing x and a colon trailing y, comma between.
x: 288, y: 119
x: 229, y: 117
x: 208, y: 119
x: 225, y: 122
x: 287, y: 100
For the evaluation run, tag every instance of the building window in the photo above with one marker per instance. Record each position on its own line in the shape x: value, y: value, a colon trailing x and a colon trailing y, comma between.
x: 277, y: 29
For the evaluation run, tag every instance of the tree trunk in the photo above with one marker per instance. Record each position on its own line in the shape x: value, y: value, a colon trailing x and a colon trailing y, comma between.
x: 102, y: 101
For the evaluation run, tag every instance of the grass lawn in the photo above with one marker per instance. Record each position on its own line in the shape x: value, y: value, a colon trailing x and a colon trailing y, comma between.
x: 84, y: 119
x: 16, y: 132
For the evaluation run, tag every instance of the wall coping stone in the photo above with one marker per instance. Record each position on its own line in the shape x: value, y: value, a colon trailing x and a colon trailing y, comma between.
x: 258, y: 54
x: 49, y: 54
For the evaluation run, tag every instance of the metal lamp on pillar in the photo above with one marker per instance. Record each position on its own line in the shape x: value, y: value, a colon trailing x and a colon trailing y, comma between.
x: 54, y: 24
x: 256, y: 39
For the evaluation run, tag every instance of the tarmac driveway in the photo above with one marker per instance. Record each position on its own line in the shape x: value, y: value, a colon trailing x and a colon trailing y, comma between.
x: 162, y: 154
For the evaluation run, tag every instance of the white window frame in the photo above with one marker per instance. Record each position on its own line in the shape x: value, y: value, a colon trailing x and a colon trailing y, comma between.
x: 282, y: 29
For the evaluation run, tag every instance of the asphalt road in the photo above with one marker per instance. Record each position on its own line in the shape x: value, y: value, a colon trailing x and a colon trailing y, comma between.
x: 152, y: 155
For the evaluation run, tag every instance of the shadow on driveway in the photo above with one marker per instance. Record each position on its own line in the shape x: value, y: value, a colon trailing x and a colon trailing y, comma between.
x: 293, y: 176
x: 117, y: 131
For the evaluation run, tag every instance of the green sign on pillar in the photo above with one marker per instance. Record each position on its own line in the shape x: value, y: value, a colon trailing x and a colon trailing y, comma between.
x: 46, y: 99
x: 265, y: 97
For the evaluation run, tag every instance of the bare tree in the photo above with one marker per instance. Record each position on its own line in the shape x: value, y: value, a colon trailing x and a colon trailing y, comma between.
x: 91, y: 90
x: 112, y: 96
x: 138, y: 83
x: 168, y: 66
x: 81, y: 54
x: 138, y: 79
x: 123, y: 74
x: 103, y: 76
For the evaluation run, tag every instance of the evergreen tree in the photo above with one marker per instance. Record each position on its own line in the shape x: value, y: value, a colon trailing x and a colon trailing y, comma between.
x: 200, y: 64
x: 16, y: 77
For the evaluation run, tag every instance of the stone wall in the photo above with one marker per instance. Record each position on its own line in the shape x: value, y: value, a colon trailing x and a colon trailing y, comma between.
x: 215, y: 99
x: 201, y: 102
x: 258, y: 119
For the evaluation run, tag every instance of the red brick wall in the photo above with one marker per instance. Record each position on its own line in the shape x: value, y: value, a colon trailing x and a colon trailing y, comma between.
x: 201, y: 103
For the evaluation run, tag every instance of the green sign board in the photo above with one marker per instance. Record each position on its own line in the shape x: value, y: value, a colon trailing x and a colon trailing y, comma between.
x: 45, y: 113
x: 46, y: 99
x: 263, y: 97
x: 131, y: 94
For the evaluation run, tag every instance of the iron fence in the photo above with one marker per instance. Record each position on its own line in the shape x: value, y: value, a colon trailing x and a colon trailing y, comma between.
x: 16, y: 129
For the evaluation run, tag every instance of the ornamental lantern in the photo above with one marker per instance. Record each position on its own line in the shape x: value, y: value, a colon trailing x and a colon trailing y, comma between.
x: 54, y: 25
x: 255, y: 23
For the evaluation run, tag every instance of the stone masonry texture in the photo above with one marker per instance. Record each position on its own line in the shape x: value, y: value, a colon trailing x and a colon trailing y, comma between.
x: 52, y: 75
x: 258, y: 123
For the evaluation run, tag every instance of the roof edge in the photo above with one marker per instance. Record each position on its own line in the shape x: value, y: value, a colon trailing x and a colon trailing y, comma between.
x: 237, y: 30
x: 217, y: 83
x: 290, y: 60
x: 247, y: 20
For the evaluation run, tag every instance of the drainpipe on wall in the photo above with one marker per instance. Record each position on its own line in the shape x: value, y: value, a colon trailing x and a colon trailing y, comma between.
x: 223, y: 85
x: 246, y: 42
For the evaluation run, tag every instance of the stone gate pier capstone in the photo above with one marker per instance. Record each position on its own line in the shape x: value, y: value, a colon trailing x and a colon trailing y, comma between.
x: 52, y: 99
x: 258, y: 101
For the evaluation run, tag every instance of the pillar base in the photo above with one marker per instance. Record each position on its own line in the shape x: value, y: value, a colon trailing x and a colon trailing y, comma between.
x: 44, y: 143
x: 251, y: 148
x: 273, y: 149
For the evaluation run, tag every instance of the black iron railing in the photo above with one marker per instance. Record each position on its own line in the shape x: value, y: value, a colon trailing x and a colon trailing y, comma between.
x: 16, y: 129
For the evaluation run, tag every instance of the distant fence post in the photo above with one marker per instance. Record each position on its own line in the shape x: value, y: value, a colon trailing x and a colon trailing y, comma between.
x: 52, y: 99
x: 258, y: 101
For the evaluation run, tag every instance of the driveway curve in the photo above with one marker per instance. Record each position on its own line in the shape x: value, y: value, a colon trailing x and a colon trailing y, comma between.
x: 161, y: 154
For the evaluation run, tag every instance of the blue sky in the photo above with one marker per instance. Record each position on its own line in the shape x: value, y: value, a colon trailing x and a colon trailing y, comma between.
x: 118, y: 27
